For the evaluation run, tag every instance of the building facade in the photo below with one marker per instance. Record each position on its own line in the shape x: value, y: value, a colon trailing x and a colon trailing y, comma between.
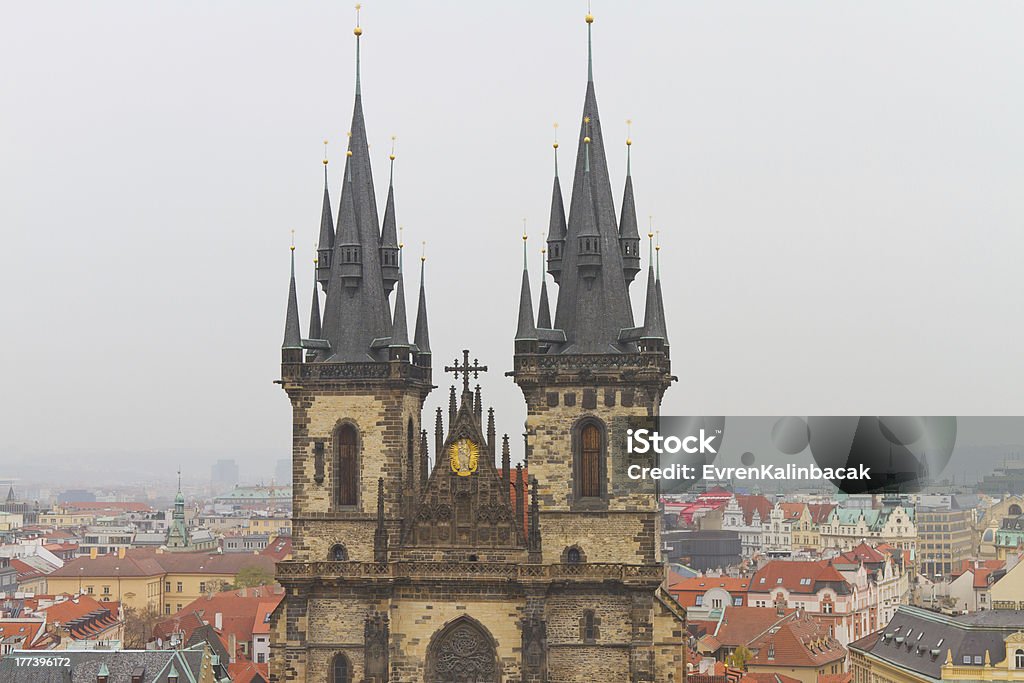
x: 462, y: 570
x: 944, y: 540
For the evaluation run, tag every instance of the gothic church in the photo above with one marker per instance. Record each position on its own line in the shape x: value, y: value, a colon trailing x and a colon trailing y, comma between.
x: 470, y: 570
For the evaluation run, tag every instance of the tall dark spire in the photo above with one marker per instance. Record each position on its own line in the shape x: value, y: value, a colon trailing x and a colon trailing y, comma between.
x: 292, y: 334
x: 593, y: 298
x: 325, y: 244
x: 543, y: 307
x: 556, y: 224
x: 389, y: 232
x: 661, y: 299
x: 315, y: 328
x: 654, y: 319
x: 526, y: 330
x: 629, y: 234
x: 400, y: 329
x: 357, y: 318
x: 422, y: 336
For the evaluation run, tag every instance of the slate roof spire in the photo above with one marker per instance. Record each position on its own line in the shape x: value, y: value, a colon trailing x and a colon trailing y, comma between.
x: 543, y: 307
x: 422, y: 335
x: 629, y: 234
x: 389, y: 245
x: 325, y: 244
x: 654, y: 315
x: 526, y: 330
x: 661, y: 299
x: 292, y: 335
x: 556, y: 223
x: 400, y: 329
x: 357, y: 318
x: 315, y: 326
x: 593, y: 303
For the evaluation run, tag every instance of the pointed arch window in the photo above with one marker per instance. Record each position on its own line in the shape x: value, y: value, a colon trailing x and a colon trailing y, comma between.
x: 590, y: 460
x: 346, y: 465
x: 341, y: 671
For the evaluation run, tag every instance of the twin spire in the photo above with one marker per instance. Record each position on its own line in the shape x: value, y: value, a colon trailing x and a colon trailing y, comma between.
x: 593, y: 256
x: 358, y: 265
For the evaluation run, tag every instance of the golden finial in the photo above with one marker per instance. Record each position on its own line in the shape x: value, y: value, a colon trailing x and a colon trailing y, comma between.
x: 650, y: 227
x: 555, y: 144
x: 629, y: 132
x: 348, y: 152
x: 315, y: 261
x: 590, y: 17
x: 423, y: 251
x: 358, y: 29
x: 293, y: 240
x: 657, y: 240
x: 524, y: 229
x: 586, y: 138
x: 401, y: 244
x: 325, y: 152
x: 392, y: 155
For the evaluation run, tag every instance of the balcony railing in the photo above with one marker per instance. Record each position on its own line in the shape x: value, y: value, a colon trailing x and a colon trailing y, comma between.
x: 461, y: 570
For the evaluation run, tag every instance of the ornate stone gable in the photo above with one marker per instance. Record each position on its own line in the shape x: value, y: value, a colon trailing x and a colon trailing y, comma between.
x: 465, y: 504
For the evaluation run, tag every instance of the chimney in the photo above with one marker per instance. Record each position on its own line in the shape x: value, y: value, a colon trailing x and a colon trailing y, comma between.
x: 232, y: 648
x: 218, y: 621
x: 92, y: 553
x: 121, y: 552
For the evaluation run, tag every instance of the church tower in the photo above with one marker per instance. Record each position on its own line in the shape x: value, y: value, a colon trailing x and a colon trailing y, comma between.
x: 584, y: 378
x: 357, y: 387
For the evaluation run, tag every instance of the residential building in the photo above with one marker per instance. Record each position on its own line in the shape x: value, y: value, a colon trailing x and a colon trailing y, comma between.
x: 1007, y: 591
x: 892, y: 523
x: 944, y: 540
x: 746, y: 515
x: 777, y: 535
x: 103, y: 539
x: 920, y: 646
x: 146, y: 579
x: 991, y: 519
x: 800, y: 647
x: 1009, y: 536
x: 713, y: 592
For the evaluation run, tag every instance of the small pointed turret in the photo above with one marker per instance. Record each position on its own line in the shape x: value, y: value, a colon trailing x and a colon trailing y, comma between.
x: 424, y: 459
x: 453, y: 405
x: 506, y: 462
x: 526, y: 332
x: 291, y: 348
x: 348, y: 247
x: 400, y: 329
x: 493, y: 447
x: 654, y: 322
x: 543, y: 307
x: 422, y: 337
x: 315, y: 327
x: 629, y: 234
x: 520, y: 484
x: 325, y: 245
x: 661, y: 299
x: 389, y: 247
x: 533, y: 539
x: 588, y: 259
x: 556, y: 224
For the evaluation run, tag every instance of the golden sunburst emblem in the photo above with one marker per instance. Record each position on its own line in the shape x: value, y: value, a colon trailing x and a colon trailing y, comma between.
x: 463, y: 456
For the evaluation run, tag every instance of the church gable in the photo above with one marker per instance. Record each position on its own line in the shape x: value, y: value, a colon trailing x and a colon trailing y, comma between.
x: 465, y: 504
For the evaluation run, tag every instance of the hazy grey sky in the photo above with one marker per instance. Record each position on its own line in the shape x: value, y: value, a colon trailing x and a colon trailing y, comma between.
x: 837, y: 185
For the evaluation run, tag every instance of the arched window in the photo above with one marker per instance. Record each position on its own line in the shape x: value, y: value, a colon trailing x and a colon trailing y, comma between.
x: 1014, y: 510
x: 1018, y: 659
x: 339, y: 553
x: 346, y: 465
x: 590, y: 461
x: 574, y: 556
x: 341, y: 671
x: 589, y: 626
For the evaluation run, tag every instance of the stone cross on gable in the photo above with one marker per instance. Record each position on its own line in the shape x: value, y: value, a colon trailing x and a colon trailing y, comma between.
x: 465, y: 369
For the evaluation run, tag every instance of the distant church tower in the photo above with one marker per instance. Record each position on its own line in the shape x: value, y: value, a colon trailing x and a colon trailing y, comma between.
x: 465, y: 569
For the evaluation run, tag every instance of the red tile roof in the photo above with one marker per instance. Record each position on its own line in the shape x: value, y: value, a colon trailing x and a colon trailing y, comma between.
x: 686, y: 590
x: 101, y: 507
x: 864, y: 553
x: 799, y: 643
x: 792, y: 510
x: 740, y: 625
x: 144, y: 562
x: 836, y: 678
x: 765, y: 677
x: 798, y: 577
x: 21, y: 633
x: 820, y: 511
x: 279, y: 548
x: 750, y: 504
x: 248, y: 672
x: 240, y: 612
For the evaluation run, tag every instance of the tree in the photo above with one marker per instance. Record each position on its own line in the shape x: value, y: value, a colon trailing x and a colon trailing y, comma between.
x: 251, y: 576
x: 739, y: 658
x: 138, y: 626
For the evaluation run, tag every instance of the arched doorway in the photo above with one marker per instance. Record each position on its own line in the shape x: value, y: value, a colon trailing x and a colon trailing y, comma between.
x: 463, y: 652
